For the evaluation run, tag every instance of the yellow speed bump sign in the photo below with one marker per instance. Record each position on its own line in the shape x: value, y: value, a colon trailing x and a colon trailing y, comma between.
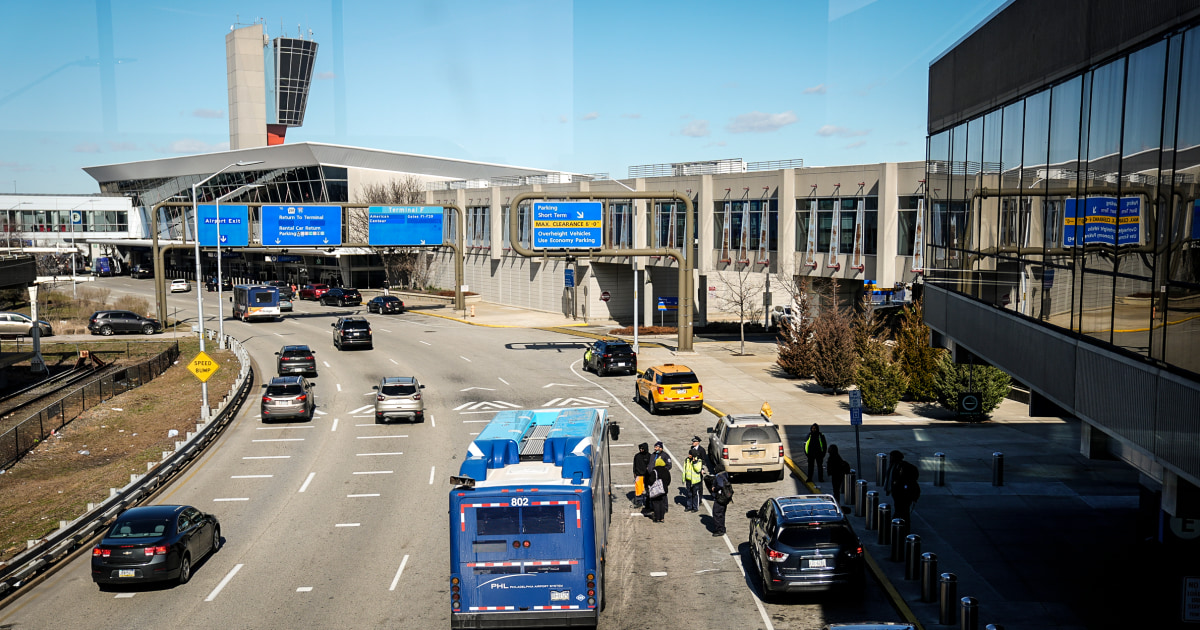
x: 203, y: 367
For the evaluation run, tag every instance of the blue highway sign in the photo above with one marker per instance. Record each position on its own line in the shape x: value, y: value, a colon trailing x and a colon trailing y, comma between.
x: 568, y: 225
x: 235, y: 225
x: 405, y: 225
x: 284, y: 226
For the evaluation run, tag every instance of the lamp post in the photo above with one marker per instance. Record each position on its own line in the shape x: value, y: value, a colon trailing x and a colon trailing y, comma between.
x: 220, y: 282
x: 633, y: 261
x: 204, y: 410
x: 74, y: 247
x: 8, y: 216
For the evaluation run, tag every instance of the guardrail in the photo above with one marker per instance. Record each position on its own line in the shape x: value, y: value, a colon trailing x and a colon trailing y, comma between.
x: 45, y: 553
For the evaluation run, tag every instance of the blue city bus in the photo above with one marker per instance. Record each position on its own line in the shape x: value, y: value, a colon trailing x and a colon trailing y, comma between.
x: 529, y: 521
x: 255, y: 301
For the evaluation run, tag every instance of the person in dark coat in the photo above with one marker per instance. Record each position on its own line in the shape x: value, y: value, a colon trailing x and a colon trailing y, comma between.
x: 717, y: 482
x: 889, y: 477
x: 660, y: 472
x: 814, y: 449
x: 641, y: 464
x: 703, y: 451
x: 905, y: 490
x: 837, y: 468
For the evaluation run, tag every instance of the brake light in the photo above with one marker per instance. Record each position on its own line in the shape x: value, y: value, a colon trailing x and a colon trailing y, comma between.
x: 161, y: 550
x: 266, y: 399
x: 417, y: 396
x: 381, y: 397
x: 302, y: 398
x: 100, y: 553
x: 781, y: 451
x: 607, y: 356
x: 660, y: 391
x: 776, y: 556
x: 308, y: 358
x: 700, y: 388
x: 725, y: 453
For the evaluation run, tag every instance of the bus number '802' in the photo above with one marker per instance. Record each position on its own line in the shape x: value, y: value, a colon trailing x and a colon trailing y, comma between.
x: 520, y: 501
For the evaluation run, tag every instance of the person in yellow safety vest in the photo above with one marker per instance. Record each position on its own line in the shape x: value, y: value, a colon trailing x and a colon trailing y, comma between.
x: 692, y: 479
x: 814, y: 449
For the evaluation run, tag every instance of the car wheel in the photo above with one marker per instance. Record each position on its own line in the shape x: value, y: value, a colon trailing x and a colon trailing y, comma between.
x: 780, y: 475
x: 185, y: 570
x: 148, y: 329
x: 106, y: 330
x: 379, y: 418
x: 342, y: 303
x: 421, y: 418
x: 767, y: 594
x: 216, y: 541
x: 653, y: 407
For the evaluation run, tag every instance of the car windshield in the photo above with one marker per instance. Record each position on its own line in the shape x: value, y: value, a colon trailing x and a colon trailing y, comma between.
x: 681, y: 378
x: 752, y: 435
x: 812, y: 535
x: 356, y: 325
x: 398, y: 390
x: 285, y: 390
x: 139, y: 528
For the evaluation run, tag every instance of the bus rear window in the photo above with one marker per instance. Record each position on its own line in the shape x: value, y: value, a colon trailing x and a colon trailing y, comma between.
x: 510, y: 521
x: 543, y: 519
x: 501, y: 521
x: 263, y: 297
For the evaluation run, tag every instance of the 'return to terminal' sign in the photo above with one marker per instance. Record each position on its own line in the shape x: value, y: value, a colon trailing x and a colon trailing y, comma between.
x: 203, y: 367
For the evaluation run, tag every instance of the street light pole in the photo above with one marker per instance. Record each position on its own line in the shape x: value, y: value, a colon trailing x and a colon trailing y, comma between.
x: 204, y: 409
x: 220, y: 281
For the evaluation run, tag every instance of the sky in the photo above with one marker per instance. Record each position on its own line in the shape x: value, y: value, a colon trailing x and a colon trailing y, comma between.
x: 585, y: 87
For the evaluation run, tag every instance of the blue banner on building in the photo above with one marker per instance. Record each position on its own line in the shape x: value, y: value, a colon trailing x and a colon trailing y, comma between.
x: 1103, y: 221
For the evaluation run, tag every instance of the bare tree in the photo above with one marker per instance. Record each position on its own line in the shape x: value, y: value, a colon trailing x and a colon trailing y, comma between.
x: 409, y: 267
x: 741, y: 295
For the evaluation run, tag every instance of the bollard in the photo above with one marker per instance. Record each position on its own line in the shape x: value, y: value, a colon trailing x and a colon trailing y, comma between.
x: 872, y: 505
x: 848, y: 481
x: 969, y: 614
x: 912, y: 555
x: 884, y: 534
x: 929, y: 571
x: 860, y: 497
x: 997, y: 469
x: 939, y: 469
x: 880, y: 468
x: 899, y: 531
x: 947, y: 598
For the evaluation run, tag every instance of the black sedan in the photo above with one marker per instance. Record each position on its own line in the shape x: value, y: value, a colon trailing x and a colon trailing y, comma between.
x: 341, y: 297
x: 385, y: 304
x: 155, y: 543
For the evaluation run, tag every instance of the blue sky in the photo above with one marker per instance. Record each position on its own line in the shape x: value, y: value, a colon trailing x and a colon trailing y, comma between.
x: 587, y: 87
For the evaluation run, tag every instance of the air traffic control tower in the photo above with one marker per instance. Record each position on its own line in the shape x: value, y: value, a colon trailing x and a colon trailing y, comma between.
x: 267, y: 92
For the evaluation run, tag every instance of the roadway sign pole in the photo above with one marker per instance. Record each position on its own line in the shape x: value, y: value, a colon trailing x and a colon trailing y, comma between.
x: 856, y: 420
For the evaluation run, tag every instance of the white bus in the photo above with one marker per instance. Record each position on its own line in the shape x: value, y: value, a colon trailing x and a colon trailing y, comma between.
x: 255, y: 301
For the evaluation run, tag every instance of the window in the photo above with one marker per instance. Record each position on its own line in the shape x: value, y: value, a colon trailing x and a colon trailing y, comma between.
x: 293, y: 389
x: 907, y: 225
x: 683, y: 378
x: 398, y: 390
x: 497, y: 521
x: 543, y: 519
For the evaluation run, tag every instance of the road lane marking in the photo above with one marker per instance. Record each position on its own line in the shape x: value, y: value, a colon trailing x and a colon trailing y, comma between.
x: 373, y: 472
x: 477, y: 421
x: 228, y: 576
x: 464, y: 358
x: 473, y: 434
x: 364, y: 407
x: 393, y: 361
x: 427, y: 343
x: 124, y: 595
x: 379, y: 437
x: 231, y: 499
x: 622, y: 463
x: 432, y: 422
x: 372, y: 424
x: 339, y: 386
x: 431, y: 469
x: 326, y: 363
x: 658, y: 574
x: 251, y: 476
x: 503, y: 381
x: 280, y: 440
x: 333, y: 427
x: 307, y: 481
x: 403, y: 562
x: 347, y: 524
x: 269, y: 457
x: 374, y: 454
x: 304, y: 589
x: 360, y: 496
x: 623, y: 485
x: 308, y: 426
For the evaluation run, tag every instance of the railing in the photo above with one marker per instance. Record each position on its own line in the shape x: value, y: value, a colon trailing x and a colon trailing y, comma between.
x: 20, y: 439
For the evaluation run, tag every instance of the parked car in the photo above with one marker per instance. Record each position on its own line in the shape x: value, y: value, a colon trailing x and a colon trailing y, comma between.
x: 155, y: 543
x: 385, y: 304
x: 109, y: 322
x: 288, y: 397
x: 782, y: 315
x: 607, y: 355
x: 341, y: 297
x: 669, y: 386
x: 180, y: 285
x: 804, y: 543
x: 21, y: 325
x: 352, y: 332
x: 285, y: 304
x: 313, y: 291
x: 285, y: 289
x: 746, y: 444
x: 211, y: 284
x: 295, y: 360
x: 399, y: 397
x: 141, y: 271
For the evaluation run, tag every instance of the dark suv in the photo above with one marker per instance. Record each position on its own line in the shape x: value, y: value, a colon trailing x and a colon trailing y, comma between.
x: 109, y: 322
x: 296, y: 360
x: 285, y: 289
x: 341, y: 297
x: 141, y: 272
x: 352, y: 331
x: 804, y: 543
x: 606, y: 355
x: 288, y: 397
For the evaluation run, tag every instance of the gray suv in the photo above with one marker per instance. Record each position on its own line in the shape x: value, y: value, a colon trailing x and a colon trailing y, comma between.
x: 295, y: 360
x: 352, y: 332
x: 109, y: 322
x: 399, y: 397
x: 288, y: 397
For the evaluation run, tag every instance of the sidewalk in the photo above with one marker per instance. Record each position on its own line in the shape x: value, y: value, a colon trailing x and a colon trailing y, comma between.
x: 1048, y: 549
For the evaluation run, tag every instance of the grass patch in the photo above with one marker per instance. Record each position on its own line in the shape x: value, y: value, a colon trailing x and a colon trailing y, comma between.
x: 55, y: 481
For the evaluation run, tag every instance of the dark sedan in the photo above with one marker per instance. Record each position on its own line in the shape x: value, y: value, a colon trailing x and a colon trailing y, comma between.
x: 341, y: 297
x: 385, y: 304
x: 155, y: 543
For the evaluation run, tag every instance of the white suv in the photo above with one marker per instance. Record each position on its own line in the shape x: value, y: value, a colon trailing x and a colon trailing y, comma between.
x: 399, y: 397
x: 746, y: 444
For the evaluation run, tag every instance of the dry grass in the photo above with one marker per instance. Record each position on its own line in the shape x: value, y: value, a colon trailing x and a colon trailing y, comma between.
x: 55, y: 482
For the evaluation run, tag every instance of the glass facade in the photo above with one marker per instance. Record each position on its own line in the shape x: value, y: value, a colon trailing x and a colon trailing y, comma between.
x: 289, y: 85
x: 304, y: 184
x: 1076, y: 205
x: 745, y: 220
x: 847, y: 220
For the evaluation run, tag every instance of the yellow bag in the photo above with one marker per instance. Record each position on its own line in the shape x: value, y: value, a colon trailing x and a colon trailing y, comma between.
x: 639, y: 487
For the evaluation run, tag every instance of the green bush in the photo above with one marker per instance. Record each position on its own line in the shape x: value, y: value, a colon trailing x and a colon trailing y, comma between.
x: 882, y: 381
x: 954, y: 378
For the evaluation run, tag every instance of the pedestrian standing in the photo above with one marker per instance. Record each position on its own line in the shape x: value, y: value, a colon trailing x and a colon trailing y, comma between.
x: 658, y: 488
x: 722, y: 490
x: 659, y: 453
x: 641, y: 464
x: 814, y: 450
x: 692, y: 479
x: 905, y: 490
x: 837, y: 468
x: 703, y: 453
x: 889, y: 477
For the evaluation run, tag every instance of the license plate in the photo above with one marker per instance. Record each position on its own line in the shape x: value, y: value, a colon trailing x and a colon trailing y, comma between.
x: 560, y: 596
x: 754, y: 470
x: 126, y: 573
x: 681, y: 390
x: 621, y: 364
x: 818, y: 563
x: 753, y: 453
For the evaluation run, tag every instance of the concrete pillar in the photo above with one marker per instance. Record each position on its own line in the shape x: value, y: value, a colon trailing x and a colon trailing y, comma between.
x: 786, y: 254
x: 246, y: 74
x: 886, y: 248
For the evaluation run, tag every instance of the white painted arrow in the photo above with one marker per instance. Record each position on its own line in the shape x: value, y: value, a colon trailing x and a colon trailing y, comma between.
x: 362, y: 409
x: 558, y: 384
x: 486, y: 389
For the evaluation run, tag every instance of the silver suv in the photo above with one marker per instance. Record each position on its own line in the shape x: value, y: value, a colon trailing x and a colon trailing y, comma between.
x: 288, y: 397
x: 746, y: 444
x: 399, y: 397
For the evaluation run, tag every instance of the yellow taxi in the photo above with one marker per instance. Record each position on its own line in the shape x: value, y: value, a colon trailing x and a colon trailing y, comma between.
x: 669, y: 386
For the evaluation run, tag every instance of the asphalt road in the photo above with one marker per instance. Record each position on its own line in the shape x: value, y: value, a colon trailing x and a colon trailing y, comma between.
x: 342, y: 523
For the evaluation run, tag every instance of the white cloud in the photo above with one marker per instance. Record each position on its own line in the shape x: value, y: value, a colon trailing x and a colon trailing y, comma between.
x: 86, y: 147
x: 634, y: 116
x: 122, y: 146
x: 696, y: 129
x: 816, y: 89
x: 841, y: 132
x: 191, y: 145
x: 563, y: 119
x: 325, y: 76
x: 209, y: 113
x: 590, y: 116
x: 760, y: 122
x: 715, y: 144
x: 855, y: 145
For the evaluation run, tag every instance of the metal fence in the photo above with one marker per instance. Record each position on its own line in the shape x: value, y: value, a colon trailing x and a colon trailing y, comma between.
x: 20, y: 439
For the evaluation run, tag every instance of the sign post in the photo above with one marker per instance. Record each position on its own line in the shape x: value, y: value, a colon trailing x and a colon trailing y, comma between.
x: 856, y: 421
